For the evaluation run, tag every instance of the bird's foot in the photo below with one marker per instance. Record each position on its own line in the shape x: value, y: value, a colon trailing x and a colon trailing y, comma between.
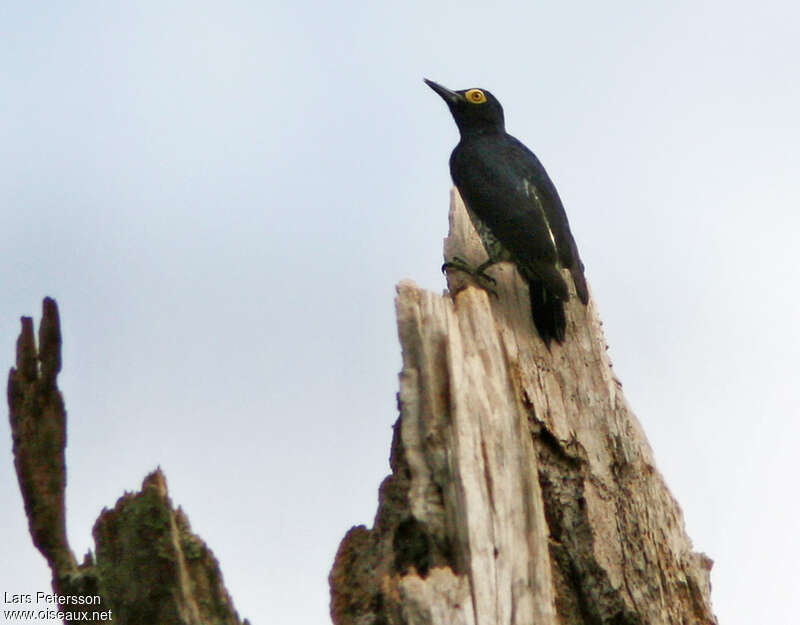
x: 483, y: 279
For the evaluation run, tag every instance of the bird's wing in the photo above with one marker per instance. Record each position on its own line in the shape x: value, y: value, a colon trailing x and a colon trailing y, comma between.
x: 543, y: 193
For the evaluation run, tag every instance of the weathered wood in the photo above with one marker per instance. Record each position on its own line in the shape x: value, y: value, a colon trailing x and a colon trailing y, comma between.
x: 148, y: 567
x: 523, y: 488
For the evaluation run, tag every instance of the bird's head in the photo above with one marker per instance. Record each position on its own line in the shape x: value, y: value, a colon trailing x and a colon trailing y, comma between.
x: 475, y: 110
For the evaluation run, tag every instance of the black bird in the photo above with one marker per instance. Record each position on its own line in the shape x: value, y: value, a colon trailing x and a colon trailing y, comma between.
x: 514, y: 207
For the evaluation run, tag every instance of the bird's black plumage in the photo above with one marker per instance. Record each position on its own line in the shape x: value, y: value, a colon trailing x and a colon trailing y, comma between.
x: 514, y: 206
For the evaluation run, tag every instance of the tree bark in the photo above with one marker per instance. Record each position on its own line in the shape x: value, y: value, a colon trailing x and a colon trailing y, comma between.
x: 523, y: 489
x: 148, y: 566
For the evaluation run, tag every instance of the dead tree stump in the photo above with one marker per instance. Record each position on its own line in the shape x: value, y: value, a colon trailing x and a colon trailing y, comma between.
x: 523, y: 490
x: 148, y: 566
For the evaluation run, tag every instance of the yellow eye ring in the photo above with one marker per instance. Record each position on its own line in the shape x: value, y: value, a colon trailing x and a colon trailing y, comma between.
x: 476, y: 96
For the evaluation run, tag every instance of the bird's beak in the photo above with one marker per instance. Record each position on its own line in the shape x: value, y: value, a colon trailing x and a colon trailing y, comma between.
x: 451, y: 97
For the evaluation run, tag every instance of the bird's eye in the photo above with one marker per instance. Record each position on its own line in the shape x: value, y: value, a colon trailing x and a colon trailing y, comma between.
x: 476, y: 96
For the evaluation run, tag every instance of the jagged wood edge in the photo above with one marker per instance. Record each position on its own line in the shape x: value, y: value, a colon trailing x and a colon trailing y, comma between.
x: 149, y: 566
x: 603, y: 538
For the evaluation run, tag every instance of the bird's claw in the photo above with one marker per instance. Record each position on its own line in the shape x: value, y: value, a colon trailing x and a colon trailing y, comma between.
x: 456, y: 262
x: 461, y: 265
x: 483, y: 279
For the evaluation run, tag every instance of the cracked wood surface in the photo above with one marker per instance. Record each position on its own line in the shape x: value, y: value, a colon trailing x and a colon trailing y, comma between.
x: 523, y: 489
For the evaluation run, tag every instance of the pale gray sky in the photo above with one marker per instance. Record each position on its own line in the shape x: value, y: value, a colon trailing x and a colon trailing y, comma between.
x: 221, y: 197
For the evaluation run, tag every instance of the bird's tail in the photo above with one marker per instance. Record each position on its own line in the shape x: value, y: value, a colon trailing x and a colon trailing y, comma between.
x: 548, y: 313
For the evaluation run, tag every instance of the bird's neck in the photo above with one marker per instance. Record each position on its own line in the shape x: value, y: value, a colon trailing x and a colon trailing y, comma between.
x: 475, y: 130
